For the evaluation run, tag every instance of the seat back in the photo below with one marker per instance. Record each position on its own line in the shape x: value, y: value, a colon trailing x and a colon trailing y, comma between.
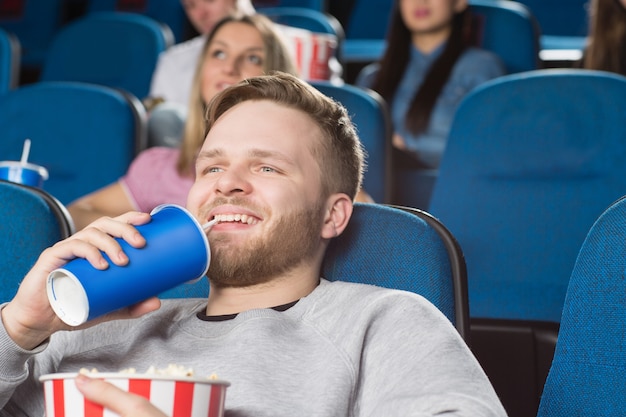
x: 114, y: 49
x: 10, y: 53
x: 34, y: 23
x: 30, y: 221
x: 531, y: 161
x: 304, y: 18
x: 572, y: 16
x: 319, y: 5
x: 168, y: 12
x: 508, y: 29
x: 369, y: 19
x: 369, y: 113
x: 392, y: 247
x: 86, y: 135
x: 589, y: 366
x: 402, y: 248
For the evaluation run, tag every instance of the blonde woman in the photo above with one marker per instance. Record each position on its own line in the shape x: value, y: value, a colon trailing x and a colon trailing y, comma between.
x: 237, y: 48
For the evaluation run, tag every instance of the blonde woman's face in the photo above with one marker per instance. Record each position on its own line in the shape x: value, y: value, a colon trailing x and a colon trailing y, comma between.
x: 204, y: 14
x: 235, y: 53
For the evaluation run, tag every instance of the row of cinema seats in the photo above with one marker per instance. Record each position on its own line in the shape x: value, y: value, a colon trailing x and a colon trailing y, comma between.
x: 508, y: 28
x: 38, y: 25
x: 532, y: 160
x: 587, y: 372
x: 114, y: 49
x: 120, y: 49
x: 516, y: 350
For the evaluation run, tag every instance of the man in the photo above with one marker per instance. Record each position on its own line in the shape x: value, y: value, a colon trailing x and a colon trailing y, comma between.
x: 279, y: 169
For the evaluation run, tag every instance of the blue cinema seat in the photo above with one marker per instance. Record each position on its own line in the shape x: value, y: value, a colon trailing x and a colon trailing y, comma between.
x: 168, y: 12
x: 86, y: 135
x: 393, y: 247
x: 588, y: 373
x: 369, y: 113
x: 34, y: 23
x: 30, y: 221
x: 532, y: 160
x: 114, y: 49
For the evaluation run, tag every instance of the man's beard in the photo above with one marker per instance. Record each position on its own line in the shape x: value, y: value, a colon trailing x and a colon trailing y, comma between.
x: 293, y: 240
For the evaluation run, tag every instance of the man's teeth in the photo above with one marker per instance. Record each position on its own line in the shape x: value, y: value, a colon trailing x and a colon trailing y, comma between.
x: 243, y: 218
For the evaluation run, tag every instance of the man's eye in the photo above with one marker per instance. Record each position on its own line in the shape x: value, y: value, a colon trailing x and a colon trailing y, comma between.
x: 267, y: 169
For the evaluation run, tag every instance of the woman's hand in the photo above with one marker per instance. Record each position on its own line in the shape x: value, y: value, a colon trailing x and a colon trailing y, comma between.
x: 111, y: 397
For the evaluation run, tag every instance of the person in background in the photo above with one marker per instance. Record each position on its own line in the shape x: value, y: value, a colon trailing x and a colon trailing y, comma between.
x: 172, y: 77
x: 239, y: 47
x: 174, y: 73
x: 426, y: 70
x: 606, y: 45
x: 279, y: 169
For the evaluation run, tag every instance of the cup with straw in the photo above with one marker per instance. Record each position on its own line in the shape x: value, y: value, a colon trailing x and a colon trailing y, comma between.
x: 22, y: 171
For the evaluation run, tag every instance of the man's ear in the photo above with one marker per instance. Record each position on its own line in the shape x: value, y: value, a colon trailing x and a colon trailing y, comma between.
x: 336, y: 215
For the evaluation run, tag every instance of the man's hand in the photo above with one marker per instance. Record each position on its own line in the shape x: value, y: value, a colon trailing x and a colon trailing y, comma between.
x: 29, y: 319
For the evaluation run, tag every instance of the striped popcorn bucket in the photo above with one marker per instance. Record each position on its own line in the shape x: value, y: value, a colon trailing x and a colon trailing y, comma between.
x: 312, y: 52
x: 176, y: 396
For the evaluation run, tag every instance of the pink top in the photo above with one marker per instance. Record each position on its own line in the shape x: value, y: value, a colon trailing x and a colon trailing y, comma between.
x: 152, y: 179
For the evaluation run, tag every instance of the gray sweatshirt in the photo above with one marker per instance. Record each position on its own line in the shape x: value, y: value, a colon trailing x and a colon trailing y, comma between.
x: 344, y: 350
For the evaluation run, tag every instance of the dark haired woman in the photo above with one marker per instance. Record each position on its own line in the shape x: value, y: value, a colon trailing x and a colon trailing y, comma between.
x: 426, y: 71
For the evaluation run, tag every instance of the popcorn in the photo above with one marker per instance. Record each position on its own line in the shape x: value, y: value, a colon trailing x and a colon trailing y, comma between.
x: 171, y: 370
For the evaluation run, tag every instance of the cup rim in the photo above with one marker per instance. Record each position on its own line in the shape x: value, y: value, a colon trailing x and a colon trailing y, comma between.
x: 135, y: 376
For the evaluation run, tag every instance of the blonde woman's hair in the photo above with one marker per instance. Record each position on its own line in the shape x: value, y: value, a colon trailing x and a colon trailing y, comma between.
x: 277, y: 57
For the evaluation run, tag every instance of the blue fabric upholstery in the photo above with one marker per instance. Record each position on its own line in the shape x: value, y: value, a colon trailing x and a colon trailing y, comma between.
x: 369, y: 113
x: 588, y: 374
x: 34, y: 23
x: 405, y: 249
x: 168, y: 12
x: 10, y: 53
x: 508, y: 29
x: 115, y: 49
x: 396, y: 248
x: 30, y: 221
x: 85, y: 135
x: 319, y: 5
x: 532, y: 160
x: 304, y: 18
x: 560, y: 17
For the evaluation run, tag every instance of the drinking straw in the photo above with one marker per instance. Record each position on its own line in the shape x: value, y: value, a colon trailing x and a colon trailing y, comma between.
x: 206, y: 226
x: 25, y: 152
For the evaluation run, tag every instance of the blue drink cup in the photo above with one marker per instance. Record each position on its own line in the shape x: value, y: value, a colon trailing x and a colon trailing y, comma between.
x: 176, y: 251
x: 23, y: 173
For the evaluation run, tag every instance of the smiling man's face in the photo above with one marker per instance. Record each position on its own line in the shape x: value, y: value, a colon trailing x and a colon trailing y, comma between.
x: 257, y: 173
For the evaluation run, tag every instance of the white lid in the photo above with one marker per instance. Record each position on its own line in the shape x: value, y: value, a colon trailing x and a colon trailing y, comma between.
x: 43, y: 172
